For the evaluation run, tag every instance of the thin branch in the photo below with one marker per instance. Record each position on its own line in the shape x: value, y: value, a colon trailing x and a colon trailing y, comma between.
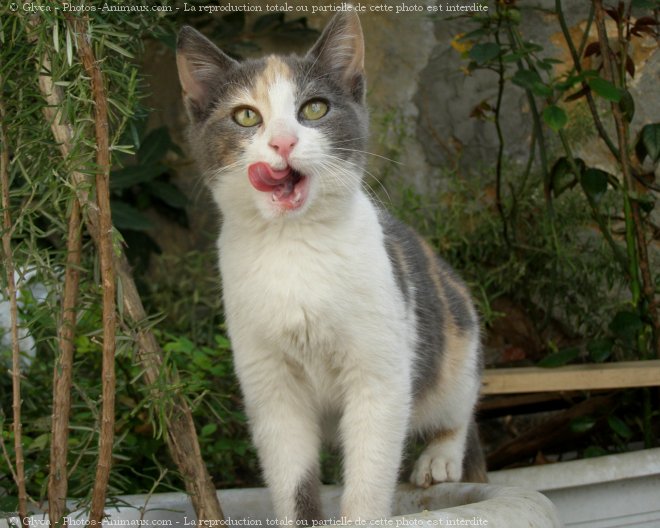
x: 80, y: 27
x: 62, y: 375
x: 578, y: 68
x: 500, y: 135
x: 11, y: 291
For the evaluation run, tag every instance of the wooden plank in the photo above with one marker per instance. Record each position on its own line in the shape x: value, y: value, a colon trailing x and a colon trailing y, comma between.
x: 619, y: 375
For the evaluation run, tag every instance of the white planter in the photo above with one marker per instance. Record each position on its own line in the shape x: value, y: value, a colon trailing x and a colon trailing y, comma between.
x: 604, y: 492
x: 441, y: 505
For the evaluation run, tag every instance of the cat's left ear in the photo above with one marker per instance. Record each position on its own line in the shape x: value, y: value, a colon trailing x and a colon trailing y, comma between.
x: 202, y: 66
x: 340, y: 49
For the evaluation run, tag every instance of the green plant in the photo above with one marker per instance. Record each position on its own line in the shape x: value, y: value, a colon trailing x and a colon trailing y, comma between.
x: 629, y: 325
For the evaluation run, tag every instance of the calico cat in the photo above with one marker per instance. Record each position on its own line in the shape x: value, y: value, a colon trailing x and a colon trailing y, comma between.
x: 340, y: 317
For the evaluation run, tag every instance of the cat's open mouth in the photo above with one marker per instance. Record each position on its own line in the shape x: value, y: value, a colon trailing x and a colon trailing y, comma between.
x: 288, y: 187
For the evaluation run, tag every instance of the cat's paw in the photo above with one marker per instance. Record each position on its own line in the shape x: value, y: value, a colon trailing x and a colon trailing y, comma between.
x: 438, y: 463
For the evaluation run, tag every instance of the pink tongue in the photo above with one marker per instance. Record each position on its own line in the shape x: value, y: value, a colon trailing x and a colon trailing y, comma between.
x: 264, y: 178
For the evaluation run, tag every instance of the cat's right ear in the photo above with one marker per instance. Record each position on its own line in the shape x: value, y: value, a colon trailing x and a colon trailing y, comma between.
x: 201, y: 65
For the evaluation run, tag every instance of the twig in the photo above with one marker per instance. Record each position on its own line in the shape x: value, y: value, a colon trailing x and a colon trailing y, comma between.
x: 62, y: 380
x: 578, y: 68
x: 500, y: 135
x: 13, y: 307
x: 182, y: 440
x: 80, y: 27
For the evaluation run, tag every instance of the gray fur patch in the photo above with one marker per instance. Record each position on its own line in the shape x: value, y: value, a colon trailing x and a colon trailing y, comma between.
x: 308, y: 502
x: 430, y: 310
x: 474, y: 463
x: 436, y: 309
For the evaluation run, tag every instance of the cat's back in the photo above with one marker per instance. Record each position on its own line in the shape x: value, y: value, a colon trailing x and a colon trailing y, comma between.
x: 446, y: 322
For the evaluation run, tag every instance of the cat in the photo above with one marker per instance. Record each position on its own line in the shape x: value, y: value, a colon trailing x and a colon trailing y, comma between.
x: 341, y: 318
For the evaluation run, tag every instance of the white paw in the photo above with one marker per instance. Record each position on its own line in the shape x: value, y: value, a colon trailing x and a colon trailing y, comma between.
x: 438, y: 463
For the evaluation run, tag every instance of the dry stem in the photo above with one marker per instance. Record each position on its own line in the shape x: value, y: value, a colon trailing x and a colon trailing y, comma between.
x: 62, y: 381
x: 80, y: 27
x: 19, y: 472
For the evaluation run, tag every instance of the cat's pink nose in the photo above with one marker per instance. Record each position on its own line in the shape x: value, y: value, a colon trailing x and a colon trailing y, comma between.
x: 283, y: 145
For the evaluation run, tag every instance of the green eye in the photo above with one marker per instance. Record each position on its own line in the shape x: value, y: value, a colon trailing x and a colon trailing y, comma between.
x: 314, y: 110
x: 247, y: 117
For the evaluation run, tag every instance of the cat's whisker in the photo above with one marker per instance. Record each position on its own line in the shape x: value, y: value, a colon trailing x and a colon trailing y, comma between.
x: 351, y: 139
x: 365, y: 185
x: 370, y: 153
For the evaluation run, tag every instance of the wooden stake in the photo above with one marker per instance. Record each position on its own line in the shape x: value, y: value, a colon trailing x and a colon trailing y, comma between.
x: 80, y: 27
x: 19, y: 472
x: 57, y: 479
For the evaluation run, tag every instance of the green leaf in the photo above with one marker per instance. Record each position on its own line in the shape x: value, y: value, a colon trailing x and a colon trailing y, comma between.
x: 126, y: 216
x: 555, y: 117
x: 39, y: 443
x: 619, y: 427
x: 209, y: 429
x: 582, y: 424
x: 646, y: 200
x: 541, y: 89
x: 627, y: 106
x: 118, y: 49
x: 594, y: 451
x: 569, y: 82
x: 594, y: 183
x: 605, y: 89
x: 526, y: 78
x: 222, y: 342
x: 168, y: 193
x: 128, y: 176
x: 562, y: 176
x: 600, y: 349
x: 69, y: 47
x: 183, y: 344
x: 154, y: 146
x: 650, y: 137
x: 484, y: 52
x: 626, y: 324
x: 560, y: 358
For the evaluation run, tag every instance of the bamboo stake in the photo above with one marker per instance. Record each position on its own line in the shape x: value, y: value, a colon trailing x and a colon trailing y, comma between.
x: 182, y: 440
x: 15, y: 351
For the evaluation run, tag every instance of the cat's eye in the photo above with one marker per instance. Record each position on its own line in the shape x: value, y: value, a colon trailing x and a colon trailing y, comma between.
x: 247, y: 117
x: 314, y: 110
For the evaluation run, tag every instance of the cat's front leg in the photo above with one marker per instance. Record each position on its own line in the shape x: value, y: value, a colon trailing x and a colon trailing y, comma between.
x: 285, y: 430
x: 373, y: 430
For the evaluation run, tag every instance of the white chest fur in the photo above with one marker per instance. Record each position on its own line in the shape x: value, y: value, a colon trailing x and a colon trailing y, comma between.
x: 295, y: 274
x: 316, y: 293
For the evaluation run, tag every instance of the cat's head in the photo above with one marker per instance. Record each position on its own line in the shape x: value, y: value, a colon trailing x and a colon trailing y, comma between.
x: 283, y: 137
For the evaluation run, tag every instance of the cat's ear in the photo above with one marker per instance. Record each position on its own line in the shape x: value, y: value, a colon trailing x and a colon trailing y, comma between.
x: 201, y: 67
x: 340, y: 49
